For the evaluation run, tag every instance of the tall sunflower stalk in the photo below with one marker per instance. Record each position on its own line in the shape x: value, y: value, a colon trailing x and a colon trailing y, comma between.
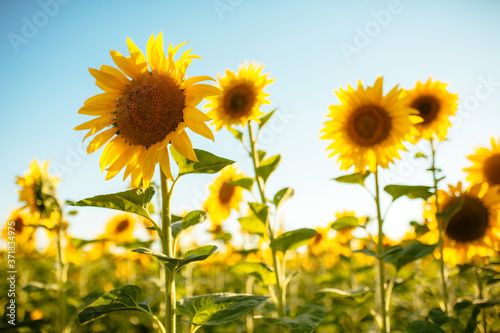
x: 434, y: 105
x: 367, y: 130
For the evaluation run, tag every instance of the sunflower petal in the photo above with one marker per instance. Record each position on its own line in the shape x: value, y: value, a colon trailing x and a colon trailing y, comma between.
x: 125, y: 64
x: 137, y: 56
x: 199, y: 127
x: 104, y: 98
x: 182, y: 144
x: 100, y: 139
x: 165, y: 165
x: 105, y: 121
x: 107, y: 79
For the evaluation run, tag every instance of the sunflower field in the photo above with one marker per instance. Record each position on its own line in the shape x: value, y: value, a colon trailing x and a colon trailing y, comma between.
x: 208, y: 226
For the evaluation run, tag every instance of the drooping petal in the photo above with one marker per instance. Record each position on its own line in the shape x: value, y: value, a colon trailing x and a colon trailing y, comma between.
x: 182, y: 144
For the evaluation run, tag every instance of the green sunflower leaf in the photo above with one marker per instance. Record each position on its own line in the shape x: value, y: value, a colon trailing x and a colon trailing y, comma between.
x: 260, y: 270
x: 423, y: 326
x: 174, y: 264
x: 354, y: 178
x: 357, y: 295
x: 282, y: 195
x: 291, y: 240
x: 237, y: 134
x: 218, y: 309
x: 410, y: 191
x: 207, y: 162
x: 305, y: 321
x: 132, y: 201
x: 261, y: 211
x: 409, y: 254
x: 253, y: 225
x: 267, y: 167
x: 244, y: 182
x: 265, y: 118
x: 345, y: 222
x: 125, y: 298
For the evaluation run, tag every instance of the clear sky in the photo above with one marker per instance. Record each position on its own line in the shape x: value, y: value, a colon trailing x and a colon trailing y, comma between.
x: 310, y: 47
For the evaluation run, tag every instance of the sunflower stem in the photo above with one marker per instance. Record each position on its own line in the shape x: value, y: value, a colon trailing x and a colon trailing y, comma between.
x: 480, y: 296
x: 270, y: 232
x: 60, y: 273
x: 167, y: 246
x: 444, y: 287
x: 380, y: 251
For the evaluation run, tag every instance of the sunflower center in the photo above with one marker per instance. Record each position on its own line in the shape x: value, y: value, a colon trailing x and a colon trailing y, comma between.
x: 150, y: 108
x: 239, y: 100
x: 122, y: 226
x: 491, y: 169
x: 470, y: 222
x: 226, y: 193
x: 428, y: 108
x: 19, y: 225
x: 369, y: 125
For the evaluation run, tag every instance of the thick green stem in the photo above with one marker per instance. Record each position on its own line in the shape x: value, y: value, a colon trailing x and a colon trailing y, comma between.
x: 61, y: 274
x: 444, y: 287
x: 270, y: 232
x: 380, y: 251
x: 167, y: 246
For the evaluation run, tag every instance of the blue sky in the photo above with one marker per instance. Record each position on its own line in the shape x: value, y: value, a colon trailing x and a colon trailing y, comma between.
x: 48, y: 46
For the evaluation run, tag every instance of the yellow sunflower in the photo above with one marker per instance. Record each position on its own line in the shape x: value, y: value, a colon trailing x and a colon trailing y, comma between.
x: 120, y: 229
x: 241, y: 98
x: 486, y: 165
x: 224, y: 197
x: 24, y: 235
x: 139, y: 115
x: 368, y: 128
x: 38, y: 192
x: 435, y: 105
x: 473, y: 232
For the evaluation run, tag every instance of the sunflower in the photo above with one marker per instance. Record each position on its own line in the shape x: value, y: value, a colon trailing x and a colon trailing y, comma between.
x: 434, y: 105
x: 138, y: 117
x: 368, y: 128
x: 120, y: 229
x: 486, y: 165
x: 24, y: 234
x: 223, y: 196
x: 473, y: 231
x: 241, y: 98
x: 38, y: 192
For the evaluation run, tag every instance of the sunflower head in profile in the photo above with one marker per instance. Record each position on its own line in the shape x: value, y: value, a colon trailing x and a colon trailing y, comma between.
x: 38, y: 192
x: 367, y: 129
x: 120, y: 229
x: 223, y: 197
x: 241, y: 98
x: 143, y: 109
x: 473, y: 231
x: 485, y: 165
x: 434, y: 105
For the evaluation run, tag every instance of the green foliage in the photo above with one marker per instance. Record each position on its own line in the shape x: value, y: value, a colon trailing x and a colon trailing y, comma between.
x: 218, y: 309
x: 345, y: 222
x: 282, y: 195
x: 357, y: 295
x: 125, y: 298
x: 132, y: 201
x: 410, y: 191
x: 260, y: 270
x: 267, y: 167
x: 253, y: 225
x: 355, y: 178
x: 207, y: 162
x: 265, y: 118
x: 244, y: 182
x: 409, y: 254
x: 423, y: 326
x: 261, y: 211
x: 291, y: 240
x: 237, y: 134
x: 306, y: 319
x: 174, y: 264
